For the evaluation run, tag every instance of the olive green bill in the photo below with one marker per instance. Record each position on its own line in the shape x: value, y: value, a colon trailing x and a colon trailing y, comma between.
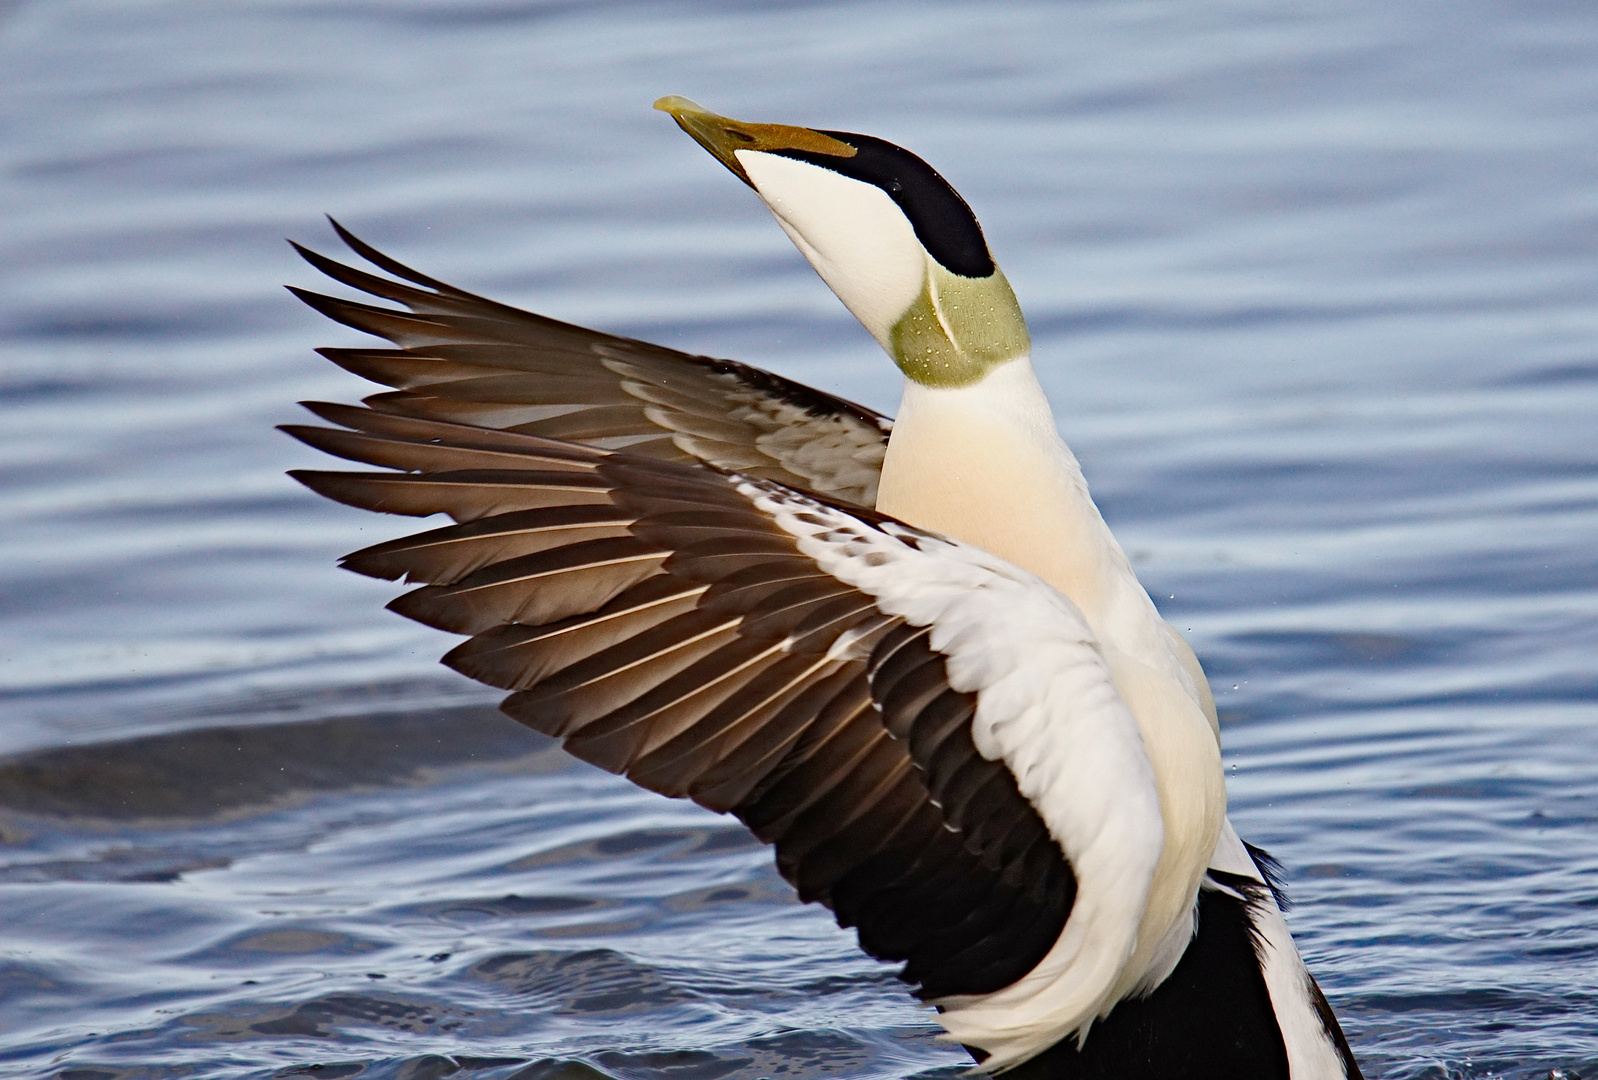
x: 722, y: 135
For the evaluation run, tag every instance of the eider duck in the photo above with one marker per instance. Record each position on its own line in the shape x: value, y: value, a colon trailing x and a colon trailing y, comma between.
x: 907, y: 653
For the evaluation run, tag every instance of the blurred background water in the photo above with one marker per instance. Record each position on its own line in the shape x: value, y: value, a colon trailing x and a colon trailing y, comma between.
x: 1312, y: 289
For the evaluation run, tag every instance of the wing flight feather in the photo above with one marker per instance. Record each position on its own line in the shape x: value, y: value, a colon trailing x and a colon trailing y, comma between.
x: 671, y: 563
x: 921, y: 729
x: 464, y: 359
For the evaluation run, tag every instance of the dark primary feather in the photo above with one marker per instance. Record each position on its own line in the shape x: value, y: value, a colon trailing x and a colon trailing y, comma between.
x: 648, y: 614
x: 463, y: 359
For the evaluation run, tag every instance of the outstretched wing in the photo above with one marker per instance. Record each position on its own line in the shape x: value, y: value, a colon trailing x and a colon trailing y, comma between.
x: 928, y: 735
x: 470, y: 360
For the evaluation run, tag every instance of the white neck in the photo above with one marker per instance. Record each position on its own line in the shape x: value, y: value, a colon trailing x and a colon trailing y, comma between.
x: 984, y: 463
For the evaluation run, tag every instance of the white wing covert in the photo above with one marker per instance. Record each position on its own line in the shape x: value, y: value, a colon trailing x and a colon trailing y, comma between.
x: 1046, y: 707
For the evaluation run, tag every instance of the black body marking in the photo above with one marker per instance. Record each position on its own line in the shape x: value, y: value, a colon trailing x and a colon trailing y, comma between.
x: 1210, y: 1020
x: 1328, y: 1019
x: 1270, y: 869
x: 943, y: 222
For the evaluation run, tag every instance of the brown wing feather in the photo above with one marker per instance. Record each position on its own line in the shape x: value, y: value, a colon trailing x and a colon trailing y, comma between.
x: 647, y: 613
x: 466, y: 359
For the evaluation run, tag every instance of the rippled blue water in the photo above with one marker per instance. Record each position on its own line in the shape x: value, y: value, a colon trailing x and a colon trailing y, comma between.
x: 1313, y: 290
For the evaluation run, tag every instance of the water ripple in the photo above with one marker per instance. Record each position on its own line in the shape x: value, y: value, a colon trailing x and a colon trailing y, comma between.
x: 1310, y: 289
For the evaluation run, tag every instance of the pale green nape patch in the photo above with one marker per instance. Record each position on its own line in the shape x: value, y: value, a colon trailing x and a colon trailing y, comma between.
x: 958, y: 329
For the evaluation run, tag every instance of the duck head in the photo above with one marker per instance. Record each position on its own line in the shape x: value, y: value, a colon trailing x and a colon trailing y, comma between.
x: 887, y: 234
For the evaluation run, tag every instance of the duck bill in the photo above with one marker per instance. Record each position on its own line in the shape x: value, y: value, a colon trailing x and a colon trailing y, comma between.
x: 724, y: 136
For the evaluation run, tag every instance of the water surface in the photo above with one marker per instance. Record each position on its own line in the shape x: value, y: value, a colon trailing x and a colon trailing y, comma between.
x: 1313, y: 293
